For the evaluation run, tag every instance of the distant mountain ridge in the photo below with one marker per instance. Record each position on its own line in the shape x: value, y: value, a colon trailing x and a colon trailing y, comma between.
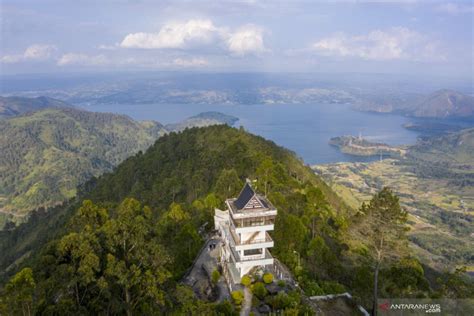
x: 12, y: 106
x: 439, y: 104
x: 445, y: 103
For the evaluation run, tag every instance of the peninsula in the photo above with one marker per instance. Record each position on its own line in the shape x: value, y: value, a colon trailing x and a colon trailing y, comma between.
x: 358, y: 146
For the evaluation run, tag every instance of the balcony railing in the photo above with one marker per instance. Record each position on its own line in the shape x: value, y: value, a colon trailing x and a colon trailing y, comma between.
x: 253, y: 221
x: 250, y: 241
x: 238, y: 258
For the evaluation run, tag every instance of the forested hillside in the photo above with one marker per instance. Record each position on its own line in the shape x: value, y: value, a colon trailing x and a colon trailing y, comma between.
x: 13, y: 106
x: 133, y: 232
x: 46, y: 154
x: 449, y: 156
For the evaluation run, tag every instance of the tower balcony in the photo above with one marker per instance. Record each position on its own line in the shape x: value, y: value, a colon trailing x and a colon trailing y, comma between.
x: 252, y: 242
x: 257, y: 260
x: 252, y: 224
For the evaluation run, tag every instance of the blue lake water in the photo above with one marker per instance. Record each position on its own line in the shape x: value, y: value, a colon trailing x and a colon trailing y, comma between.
x: 302, y: 128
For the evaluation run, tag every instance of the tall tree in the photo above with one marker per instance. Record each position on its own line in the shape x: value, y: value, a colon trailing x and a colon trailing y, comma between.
x: 228, y: 184
x: 265, y: 174
x: 18, y: 298
x: 135, y: 260
x: 78, y: 254
x: 382, y: 226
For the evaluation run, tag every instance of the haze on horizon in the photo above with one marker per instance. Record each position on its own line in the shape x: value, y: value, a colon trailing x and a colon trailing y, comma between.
x: 401, y: 37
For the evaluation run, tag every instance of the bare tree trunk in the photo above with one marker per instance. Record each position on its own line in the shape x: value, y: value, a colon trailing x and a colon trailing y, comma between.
x: 76, y: 290
x: 376, y: 283
x: 127, y: 301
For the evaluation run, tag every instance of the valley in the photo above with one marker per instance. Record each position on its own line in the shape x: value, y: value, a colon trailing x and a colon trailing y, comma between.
x: 434, y: 182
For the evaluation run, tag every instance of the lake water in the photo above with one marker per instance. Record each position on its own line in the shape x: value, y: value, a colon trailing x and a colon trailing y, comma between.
x: 302, y: 128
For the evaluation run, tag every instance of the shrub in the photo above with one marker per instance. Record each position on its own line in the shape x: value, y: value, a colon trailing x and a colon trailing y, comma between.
x: 237, y: 297
x: 224, y: 308
x: 246, y: 281
x: 215, y: 276
x: 259, y: 290
x: 312, y: 288
x: 268, y: 278
x: 330, y: 287
x: 281, y: 283
x: 255, y: 301
x: 281, y: 300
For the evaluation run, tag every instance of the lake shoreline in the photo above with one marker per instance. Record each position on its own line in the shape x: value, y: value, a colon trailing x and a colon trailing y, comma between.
x: 302, y: 128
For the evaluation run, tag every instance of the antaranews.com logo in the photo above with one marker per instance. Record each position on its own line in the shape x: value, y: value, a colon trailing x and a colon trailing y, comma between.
x: 395, y: 307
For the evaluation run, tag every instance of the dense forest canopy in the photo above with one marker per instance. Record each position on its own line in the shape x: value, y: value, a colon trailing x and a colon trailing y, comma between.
x: 124, y: 243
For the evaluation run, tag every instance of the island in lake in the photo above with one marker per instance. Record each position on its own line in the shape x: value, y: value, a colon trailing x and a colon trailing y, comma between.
x: 359, y: 146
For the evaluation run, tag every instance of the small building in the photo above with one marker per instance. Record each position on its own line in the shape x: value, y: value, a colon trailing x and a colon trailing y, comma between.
x: 244, y: 228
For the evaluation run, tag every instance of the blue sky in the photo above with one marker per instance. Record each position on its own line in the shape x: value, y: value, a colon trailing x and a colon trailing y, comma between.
x: 408, y: 37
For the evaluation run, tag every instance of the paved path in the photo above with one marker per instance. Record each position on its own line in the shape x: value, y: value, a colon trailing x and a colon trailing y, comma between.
x: 247, y: 303
x: 209, y: 258
x: 196, y: 271
x: 224, y: 294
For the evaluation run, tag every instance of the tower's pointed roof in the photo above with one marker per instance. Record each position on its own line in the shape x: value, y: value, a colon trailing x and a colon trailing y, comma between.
x: 245, y: 196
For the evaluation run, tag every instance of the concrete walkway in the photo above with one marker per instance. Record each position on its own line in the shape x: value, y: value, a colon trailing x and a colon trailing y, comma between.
x: 196, y: 272
x: 224, y: 294
x: 247, y: 303
x: 207, y: 260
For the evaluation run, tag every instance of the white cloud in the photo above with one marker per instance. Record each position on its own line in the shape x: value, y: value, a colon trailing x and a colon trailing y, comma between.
x: 192, y: 62
x: 39, y: 52
x: 454, y: 8
x: 11, y: 59
x: 82, y: 59
x: 394, y: 43
x: 201, y: 33
x: 174, y: 35
x: 247, y: 40
x: 108, y: 47
x: 35, y: 52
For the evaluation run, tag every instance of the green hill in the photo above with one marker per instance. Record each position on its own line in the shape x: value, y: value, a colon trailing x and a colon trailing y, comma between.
x: 201, y: 120
x: 129, y: 236
x: 445, y: 103
x: 449, y: 156
x: 45, y: 155
x: 13, y: 106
